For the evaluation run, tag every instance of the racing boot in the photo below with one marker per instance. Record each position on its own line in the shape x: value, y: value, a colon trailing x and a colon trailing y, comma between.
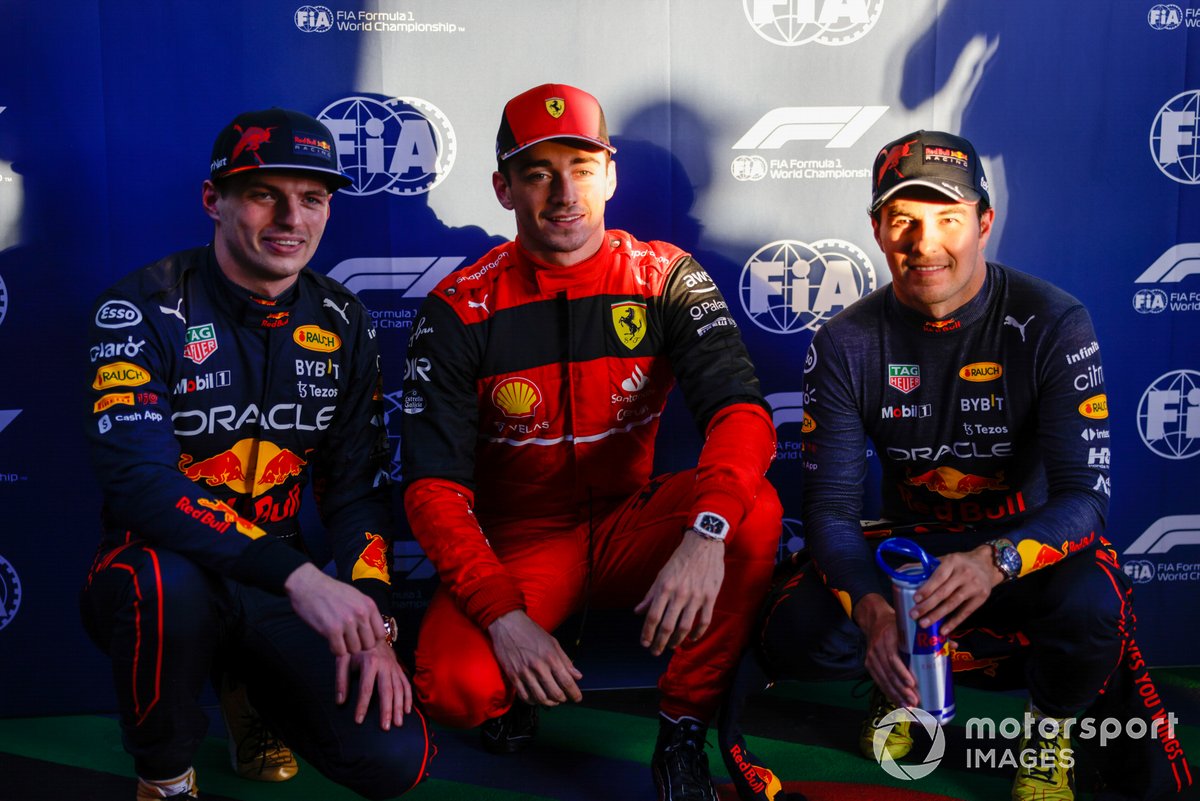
x: 1047, y: 766
x: 679, y: 764
x: 511, y: 732
x: 899, y: 739
x: 180, y: 788
x: 254, y: 752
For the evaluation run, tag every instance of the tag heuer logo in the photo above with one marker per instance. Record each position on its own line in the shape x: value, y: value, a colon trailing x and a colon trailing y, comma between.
x: 904, y: 377
x: 201, y: 342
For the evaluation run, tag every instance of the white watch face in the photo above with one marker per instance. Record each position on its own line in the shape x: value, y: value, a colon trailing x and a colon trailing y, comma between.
x: 712, y: 525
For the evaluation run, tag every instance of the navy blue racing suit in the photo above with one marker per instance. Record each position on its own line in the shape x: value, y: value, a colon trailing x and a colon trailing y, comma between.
x: 210, y: 409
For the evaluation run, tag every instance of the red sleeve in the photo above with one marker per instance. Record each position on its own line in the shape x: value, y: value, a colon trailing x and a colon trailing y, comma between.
x: 440, y: 514
x: 738, y: 448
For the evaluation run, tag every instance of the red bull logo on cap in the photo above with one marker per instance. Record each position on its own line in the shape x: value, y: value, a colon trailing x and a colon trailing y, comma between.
x: 951, y: 483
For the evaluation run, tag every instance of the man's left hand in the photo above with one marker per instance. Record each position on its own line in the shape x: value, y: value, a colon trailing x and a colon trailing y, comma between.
x: 376, y: 667
x: 959, y: 586
x: 680, y: 602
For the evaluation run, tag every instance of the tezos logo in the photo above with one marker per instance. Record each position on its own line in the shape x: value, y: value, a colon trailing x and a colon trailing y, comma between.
x: 1175, y: 138
x: 10, y: 592
x: 909, y: 771
x: 313, y: 19
x: 404, y: 145
x: 796, y: 22
x: 789, y: 286
x: 1169, y: 415
x: 1165, y: 17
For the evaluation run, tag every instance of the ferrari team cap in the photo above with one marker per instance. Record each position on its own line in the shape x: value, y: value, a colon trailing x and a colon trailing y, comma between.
x: 277, y: 139
x: 934, y: 159
x: 551, y: 111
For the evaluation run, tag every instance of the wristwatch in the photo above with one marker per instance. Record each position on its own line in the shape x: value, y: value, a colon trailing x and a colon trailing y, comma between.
x: 711, y: 526
x: 1006, y: 557
x: 390, y: 630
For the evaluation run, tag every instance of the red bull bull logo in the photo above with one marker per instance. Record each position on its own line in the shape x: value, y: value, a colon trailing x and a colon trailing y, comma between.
x: 218, y: 516
x: 372, y: 562
x: 1036, y: 555
x: 951, y: 483
x: 250, y: 467
x: 275, y: 320
x: 964, y: 660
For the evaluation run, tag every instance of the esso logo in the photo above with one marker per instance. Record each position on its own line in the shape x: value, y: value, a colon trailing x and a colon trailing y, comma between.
x: 118, y: 314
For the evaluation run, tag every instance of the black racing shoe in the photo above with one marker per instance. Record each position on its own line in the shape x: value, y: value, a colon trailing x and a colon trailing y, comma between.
x: 680, y: 765
x: 511, y: 732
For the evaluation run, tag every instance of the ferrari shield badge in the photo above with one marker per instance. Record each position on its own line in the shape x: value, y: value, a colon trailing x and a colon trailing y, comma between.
x: 629, y: 321
x: 556, y: 106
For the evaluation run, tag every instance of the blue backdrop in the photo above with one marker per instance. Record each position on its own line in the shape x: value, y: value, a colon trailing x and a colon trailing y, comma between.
x: 745, y: 133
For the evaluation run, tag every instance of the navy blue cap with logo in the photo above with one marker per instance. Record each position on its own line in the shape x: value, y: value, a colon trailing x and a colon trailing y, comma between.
x: 277, y: 139
x: 933, y: 159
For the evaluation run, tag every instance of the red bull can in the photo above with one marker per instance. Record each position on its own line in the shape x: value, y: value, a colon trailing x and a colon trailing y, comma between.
x: 925, y: 650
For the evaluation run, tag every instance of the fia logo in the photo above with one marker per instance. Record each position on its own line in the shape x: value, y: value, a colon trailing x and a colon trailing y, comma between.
x: 404, y: 145
x: 1175, y: 138
x: 1168, y: 415
x: 790, y: 23
x: 1165, y: 17
x: 313, y: 19
x: 789, y: 286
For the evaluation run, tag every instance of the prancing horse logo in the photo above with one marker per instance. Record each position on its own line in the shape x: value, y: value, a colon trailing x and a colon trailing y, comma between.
x: 629, y: 321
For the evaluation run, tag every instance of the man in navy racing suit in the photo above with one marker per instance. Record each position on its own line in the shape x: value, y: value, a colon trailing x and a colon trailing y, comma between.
x: 221, y: 378
x: 982, y: 391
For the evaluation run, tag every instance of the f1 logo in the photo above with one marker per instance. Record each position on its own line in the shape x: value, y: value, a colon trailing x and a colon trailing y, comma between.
x: 837, y: 126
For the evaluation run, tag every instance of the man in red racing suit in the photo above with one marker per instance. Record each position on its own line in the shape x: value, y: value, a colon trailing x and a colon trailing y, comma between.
x: 537, y: 378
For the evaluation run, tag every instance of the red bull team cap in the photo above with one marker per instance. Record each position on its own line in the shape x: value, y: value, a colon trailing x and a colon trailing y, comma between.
x: 551, y: 111
x: 933, y: 159
x: 277, y: 139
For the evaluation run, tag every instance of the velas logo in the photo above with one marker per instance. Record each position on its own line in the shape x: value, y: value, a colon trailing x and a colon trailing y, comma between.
x: 312, y: 337
x: 120, y: 374
x: 403, y: 146
x: 1095, y: 407
x: 980, y: 371
x: 200, y: 342
x: 789, y: 286
x: 791, y: 23
x: 516, y: 397
x: 912, y: 770
x: 629, y: 321
x: 904, y: 377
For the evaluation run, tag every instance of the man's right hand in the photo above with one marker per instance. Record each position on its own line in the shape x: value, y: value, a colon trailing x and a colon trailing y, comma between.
x: 877, y: 619
x: 345, y: 617
x: 533, y: 661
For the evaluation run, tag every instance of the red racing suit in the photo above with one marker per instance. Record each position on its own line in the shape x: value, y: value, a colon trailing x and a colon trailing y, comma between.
x: 532, y: 400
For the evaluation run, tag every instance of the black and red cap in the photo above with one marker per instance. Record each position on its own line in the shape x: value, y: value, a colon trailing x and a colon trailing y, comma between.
x: 277, y: 139
x: 934, y: 159
x: 551, y: 111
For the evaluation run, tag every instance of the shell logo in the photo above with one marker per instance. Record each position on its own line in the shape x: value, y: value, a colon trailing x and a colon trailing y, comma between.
x: 516, y: 397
